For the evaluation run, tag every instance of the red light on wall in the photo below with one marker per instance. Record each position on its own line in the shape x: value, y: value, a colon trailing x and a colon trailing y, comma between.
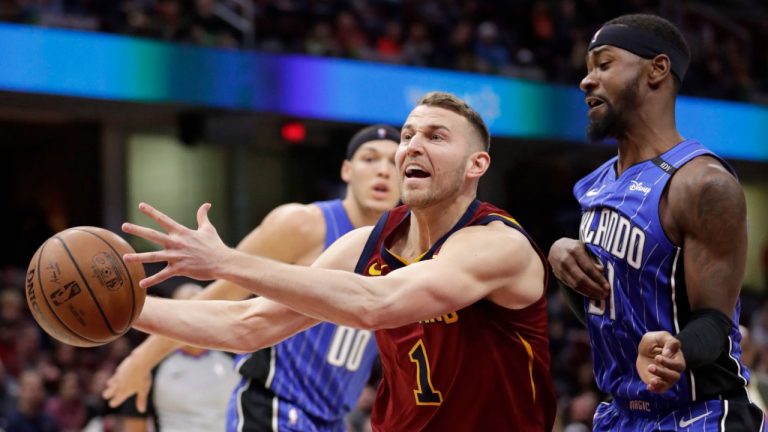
x: 293, y: 132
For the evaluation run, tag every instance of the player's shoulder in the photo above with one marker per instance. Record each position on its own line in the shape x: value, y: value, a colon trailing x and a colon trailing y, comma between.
x: 496, y: 237
x: 294, y: 224
x: 704, y: 178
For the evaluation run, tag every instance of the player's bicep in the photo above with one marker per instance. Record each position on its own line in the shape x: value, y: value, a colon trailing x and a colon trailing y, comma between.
x: 504, y: 267
x: 476, y: 263
x: 714, y: 242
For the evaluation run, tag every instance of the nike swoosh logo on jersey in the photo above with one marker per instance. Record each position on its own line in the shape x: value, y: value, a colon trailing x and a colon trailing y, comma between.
x: 373, y: 271
x: 685, y: 423
x: 593, y: 192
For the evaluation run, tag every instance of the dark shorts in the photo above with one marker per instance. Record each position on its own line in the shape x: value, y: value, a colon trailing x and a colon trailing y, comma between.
x: 253, y: 408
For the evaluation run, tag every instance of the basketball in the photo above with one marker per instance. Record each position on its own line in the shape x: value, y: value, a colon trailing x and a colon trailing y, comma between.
x: 79, y: 289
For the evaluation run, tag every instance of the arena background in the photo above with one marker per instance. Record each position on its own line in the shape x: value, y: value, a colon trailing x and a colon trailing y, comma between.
x: 249, y: 104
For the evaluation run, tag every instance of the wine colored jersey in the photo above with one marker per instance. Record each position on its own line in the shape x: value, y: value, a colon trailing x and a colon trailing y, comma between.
x: 480, y: 368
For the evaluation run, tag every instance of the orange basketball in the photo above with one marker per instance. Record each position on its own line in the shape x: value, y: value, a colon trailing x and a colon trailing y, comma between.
x: 79, y: 289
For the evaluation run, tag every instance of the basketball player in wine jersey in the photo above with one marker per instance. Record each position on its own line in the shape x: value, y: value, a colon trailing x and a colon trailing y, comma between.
x: 453, y: 288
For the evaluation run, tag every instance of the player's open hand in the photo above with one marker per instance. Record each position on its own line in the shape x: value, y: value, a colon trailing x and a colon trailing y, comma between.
x: 660, y: 362
x: 576, y: 268
x: 131, y: 377
x: 192, y: 253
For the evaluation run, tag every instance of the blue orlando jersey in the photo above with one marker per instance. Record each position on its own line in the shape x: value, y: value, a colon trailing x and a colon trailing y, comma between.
x: 323, y: 369
x: 621, y: 227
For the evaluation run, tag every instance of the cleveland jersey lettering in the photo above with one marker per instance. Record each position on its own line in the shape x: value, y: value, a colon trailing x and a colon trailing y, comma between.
x: 480, y: 368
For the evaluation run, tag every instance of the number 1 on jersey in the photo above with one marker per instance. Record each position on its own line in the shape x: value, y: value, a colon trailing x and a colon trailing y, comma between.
x: 597, y: 307
x: 425, y: 393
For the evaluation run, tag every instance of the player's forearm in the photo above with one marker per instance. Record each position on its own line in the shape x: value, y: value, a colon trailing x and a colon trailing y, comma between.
x: 207, y: 324
x: 328, y: 295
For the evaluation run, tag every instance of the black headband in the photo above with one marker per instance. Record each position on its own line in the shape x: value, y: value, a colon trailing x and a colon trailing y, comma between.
x: 642, y: 43
x: 372, y: 133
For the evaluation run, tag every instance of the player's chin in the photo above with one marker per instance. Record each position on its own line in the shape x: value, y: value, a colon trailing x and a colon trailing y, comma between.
x: 381, y: 204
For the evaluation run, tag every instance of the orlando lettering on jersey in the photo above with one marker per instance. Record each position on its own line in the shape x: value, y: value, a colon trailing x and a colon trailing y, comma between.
x: 621, y: 228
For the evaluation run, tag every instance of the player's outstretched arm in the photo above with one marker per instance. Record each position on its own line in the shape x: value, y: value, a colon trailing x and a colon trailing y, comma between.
x: 289, y: 233
x: 477, y: 262
x: 574, y: 267
x: 706, y: 214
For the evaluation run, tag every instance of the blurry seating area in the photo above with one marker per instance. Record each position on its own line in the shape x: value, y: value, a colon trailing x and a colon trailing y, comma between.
x: 543, y: 40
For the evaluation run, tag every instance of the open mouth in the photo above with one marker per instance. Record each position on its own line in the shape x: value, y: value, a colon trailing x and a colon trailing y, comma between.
x: 594, y: 102
x: 416, y: 172
x: 381, y: 188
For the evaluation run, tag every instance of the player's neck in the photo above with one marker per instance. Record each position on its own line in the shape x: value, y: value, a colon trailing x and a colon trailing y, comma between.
x: 359, y: 215
x: 429, y: 224
x: 648, y: 136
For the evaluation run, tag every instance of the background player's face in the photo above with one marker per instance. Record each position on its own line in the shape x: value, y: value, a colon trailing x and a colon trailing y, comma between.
x: 433, y: 156
x: 370, y: 175
x: 612, y: 88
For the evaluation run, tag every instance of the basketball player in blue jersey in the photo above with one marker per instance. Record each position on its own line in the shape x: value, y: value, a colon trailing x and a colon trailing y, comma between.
x: 661, y: 250
x: 310, y: 381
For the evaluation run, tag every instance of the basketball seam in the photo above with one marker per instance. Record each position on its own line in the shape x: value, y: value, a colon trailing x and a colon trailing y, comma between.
x: 88, y: 287
x: 45, y: 297
x: 125, y: 267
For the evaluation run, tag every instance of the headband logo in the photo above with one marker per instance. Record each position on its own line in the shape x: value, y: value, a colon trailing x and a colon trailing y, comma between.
x: 594, y: 38
x: 381, y: 133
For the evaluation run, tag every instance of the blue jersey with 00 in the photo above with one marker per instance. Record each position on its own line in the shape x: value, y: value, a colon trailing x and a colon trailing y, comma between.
x: 323, y: 369
x: 621, y: 227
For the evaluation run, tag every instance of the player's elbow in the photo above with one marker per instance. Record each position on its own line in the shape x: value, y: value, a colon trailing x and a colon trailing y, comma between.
x: 371, y: 314
x: 246, y: 335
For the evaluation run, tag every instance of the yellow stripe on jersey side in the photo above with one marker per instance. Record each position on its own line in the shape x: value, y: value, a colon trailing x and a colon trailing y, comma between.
x: 529, y: 350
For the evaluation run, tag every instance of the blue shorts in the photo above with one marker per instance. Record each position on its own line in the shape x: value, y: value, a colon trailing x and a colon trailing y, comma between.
x: 729, y: 415
x: 253, y: 408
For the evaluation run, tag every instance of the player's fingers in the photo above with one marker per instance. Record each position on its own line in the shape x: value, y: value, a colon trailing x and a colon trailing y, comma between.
x: 115, y: 397
x: 146, y: 257
x: 591, y: 268
x: 109, y: 390
x: 202, y: 215
x: 141, y: 401
x: 146, y: 233
x: 161, y: 218
x: 156, y: 278
x: 663, y: 373
x: 582, y: 283
x: 672, y: 363
x: 671, y: 346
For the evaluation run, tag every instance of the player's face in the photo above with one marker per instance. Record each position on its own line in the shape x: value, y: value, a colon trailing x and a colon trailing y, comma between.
x: 611, y: 86
x: 371, y: 177
x: 433, y: 156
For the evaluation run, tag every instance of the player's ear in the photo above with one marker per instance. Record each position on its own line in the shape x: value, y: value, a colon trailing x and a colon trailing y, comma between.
x: 478, y: 164
x: 346, y: 170
x: 660, y: 69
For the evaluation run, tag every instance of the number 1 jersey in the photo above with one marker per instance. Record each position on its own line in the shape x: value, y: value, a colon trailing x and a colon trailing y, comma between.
x: 483, y: 367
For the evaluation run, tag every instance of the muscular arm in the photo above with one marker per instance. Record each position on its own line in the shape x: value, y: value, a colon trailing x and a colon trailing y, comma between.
x: 495, y: 261
x: 708, y: 219
x: 704, y: 211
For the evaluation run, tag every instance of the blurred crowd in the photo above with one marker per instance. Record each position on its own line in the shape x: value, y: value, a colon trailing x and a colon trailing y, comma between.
x: 46, y: 385
x: 543, y: 40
